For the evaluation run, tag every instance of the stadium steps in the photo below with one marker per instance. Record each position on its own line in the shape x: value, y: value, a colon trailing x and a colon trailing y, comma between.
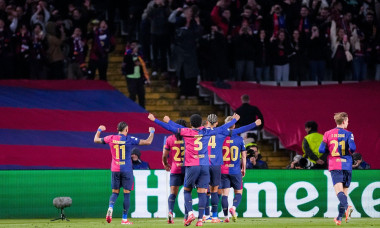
x: 275, y: 160
x: 162, y: 99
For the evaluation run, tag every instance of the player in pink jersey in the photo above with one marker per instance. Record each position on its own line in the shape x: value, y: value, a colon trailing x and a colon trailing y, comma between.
x: 174, y: 150
x: 339, y: 143
x: 196, y: 159
x: 233, y: 171
x: 121, y: 166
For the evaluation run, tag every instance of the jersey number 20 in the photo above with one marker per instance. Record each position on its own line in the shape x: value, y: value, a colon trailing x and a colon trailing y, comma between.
x: 234, y: 150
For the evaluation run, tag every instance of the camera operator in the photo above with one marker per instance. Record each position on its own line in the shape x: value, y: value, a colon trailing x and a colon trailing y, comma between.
x: 358, y: 162
x: 300, y: 162
x: 254, y: 157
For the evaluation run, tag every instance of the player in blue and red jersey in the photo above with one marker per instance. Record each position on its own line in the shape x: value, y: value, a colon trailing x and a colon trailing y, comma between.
x: 233, y: 171
x: 121, y: 166
x: 339, y: 143
x: 174, y: 149
x: 196, y: 159
x: 216, y: 158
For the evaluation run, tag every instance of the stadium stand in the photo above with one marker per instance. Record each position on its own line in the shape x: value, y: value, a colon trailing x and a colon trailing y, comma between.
x: 357, y: 99
x: 50, y: 124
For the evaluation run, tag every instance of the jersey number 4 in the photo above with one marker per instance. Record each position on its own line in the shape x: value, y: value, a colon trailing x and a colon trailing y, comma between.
x: 199, y: 144
x: 117, y: 151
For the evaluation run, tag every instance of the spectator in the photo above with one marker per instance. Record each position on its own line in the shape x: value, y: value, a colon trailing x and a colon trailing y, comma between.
x: 55, y: 37
x: 222, y: 18
x: 6, y: 52
x: 303, y: 24
x: 298, y: 57
x: 254, y: 157
x: 79, y: 21
x: 42, y: 15
x: 340, y: 52
x: 78, y: 50
x: 214, y: 55
x: 136, y: 73
x: 276, y: 20
x: 317, y: 52
x: 38, y: 58
x: 280, y: 52
x: 358, y: 162
x: 188, y: 30
x: 310, y: 146
x: 262, y: 56
x: 158, y: 15
x: 244, y: 53
x: 137, y: 163
x: 102, y: 44
x: 360, y: 55
x: 23, y: 48
x: 249, y: 113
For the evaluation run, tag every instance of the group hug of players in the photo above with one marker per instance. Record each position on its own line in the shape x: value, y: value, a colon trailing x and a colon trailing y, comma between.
x: 205, y: 156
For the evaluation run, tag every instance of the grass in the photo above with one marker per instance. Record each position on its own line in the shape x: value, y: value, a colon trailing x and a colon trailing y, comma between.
x: 242, y: 222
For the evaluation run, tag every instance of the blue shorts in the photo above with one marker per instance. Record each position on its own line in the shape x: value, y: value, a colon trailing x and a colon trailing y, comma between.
x: 232, y: 180
x: 122, y: 179
x: 197, y: 176
x: 341, y: 176
x: 215, y: 175
x: 176, y: 179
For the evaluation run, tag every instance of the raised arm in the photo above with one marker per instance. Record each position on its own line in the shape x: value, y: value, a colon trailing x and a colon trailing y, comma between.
x: 174, y: 124
x: 224, y: 127
x: 246, y: 127
x: 97, y: 138
x: 163, y: 125
x: 149, y: 140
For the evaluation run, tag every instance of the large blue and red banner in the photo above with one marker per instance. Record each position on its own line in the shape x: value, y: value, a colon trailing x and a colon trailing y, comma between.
x: 286, y: 109
x: 51, y: 124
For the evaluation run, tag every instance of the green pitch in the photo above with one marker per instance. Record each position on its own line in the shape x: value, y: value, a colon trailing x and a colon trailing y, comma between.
x: 242, y: 222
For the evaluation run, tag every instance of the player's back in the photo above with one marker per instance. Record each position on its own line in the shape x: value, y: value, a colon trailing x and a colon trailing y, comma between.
x: 196, y: 145
x: 177, y: 150
x: 215, y: 148
x: 232, y: 148
x: 339, y: 143
x: 121, y: 147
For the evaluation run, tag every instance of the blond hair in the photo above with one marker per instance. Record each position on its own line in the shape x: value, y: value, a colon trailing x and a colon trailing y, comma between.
x: 340, y: 117
x: 228, y: 119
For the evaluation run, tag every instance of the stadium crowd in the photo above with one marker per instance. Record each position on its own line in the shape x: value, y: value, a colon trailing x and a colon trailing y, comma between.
x: 219, y: 40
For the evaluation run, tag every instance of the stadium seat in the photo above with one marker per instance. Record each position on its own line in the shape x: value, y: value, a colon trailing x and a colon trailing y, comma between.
x: 218, y: 100
x: 269, y: 83
x: 270, y: 137
x: 346, y: 82
x: 289, y: 83
x: 329, y: 82
x: 204, y: 92
x: 309, y: 83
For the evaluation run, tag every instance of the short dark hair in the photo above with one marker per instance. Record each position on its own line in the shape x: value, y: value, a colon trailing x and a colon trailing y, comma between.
x: 312, y: 125
x: 245, y: 98
x: 121, y: 126
x: 195, y: 120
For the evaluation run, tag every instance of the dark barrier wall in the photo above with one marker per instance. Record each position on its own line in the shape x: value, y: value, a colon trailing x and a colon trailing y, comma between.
x: 267, y: 193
